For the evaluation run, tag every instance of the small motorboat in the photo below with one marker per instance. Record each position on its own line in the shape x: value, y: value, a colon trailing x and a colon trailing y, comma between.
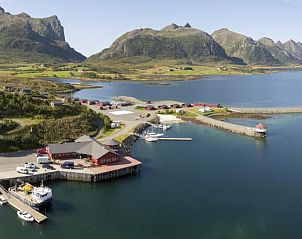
x: 3, y: 200
x: 153, y: 135
x: 166, y: 127
x: 25, y: 216
x: 151, y: 139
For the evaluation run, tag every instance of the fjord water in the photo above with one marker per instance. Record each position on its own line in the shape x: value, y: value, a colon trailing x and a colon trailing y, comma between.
x: 278, y: 89
x: 220, y: 185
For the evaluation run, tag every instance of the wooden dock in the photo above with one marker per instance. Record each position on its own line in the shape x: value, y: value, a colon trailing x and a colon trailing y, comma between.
x: 176, y: 139
x: 20, y: 206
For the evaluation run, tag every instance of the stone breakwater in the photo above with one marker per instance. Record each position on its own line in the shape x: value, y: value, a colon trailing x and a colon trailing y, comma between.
x: 239, y: 129
x: 273, y: 110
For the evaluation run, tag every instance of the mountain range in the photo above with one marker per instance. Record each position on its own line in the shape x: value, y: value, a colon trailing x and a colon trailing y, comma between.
x: 195, y: 46
x: 23, y: 38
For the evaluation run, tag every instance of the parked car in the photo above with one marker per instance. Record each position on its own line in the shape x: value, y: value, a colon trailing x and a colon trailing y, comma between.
x: 30, y: 166
x: 22, y: 170
x: 48, y: 166
x: 68, y: 165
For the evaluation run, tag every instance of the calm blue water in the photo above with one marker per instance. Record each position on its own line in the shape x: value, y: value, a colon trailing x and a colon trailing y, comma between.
x: 278, y: 89
x: 219, y: 186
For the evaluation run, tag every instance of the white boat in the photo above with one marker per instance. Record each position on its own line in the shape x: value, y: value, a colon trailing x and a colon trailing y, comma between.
x: 25, y: 216
x: 166, y: 127
x: 153, y: 135
x: 151, y: 139
x: 41, y: 194
x: 3, y: 200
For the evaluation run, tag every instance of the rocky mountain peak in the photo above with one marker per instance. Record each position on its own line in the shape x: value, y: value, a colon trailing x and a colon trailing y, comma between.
x: 188, y: 25
x: 170, y: 27
x: 34, y: 38
x: 267, y: 41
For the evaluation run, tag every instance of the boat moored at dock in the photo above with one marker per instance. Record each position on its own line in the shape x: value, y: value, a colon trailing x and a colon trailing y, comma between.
x: 25, y: 216
x: 32, y: 196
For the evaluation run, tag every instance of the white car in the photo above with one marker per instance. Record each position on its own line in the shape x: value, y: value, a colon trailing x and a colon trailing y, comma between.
x: 30, y: 166
x: 22, y: 170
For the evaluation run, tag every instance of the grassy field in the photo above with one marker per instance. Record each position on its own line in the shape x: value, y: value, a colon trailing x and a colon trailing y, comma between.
x: 122, y: 137
x: 135, y: 70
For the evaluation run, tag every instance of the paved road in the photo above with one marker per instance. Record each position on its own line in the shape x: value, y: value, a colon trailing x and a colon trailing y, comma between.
x: 9, y: 161
x: 130, y: 121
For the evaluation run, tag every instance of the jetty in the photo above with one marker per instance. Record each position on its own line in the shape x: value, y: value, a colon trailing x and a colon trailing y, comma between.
x: 20, y: 206
x: 266, y: 110
x: 235, y: 128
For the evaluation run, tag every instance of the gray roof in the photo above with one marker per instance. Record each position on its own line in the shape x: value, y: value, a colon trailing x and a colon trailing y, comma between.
x: 84, y: 138
x: 91, y: 147
x: 110, y: 142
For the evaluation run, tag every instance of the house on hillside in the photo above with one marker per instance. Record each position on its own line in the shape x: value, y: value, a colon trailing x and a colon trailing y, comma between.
x: 92, y: 102
x: 9, y: 88
x: 24, y: 91
x: 56, y: 103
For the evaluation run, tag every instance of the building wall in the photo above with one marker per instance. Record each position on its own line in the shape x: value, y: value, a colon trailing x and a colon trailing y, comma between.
x: 65, y: 156
x: 106, y: 159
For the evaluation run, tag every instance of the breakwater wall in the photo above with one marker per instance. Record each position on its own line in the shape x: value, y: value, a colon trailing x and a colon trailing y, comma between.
x: 239, y: 129
x: 71, y: 176
x: 267, y: 110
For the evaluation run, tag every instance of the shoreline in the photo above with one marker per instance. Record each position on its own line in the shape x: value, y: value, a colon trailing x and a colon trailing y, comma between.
x: 161, y: 79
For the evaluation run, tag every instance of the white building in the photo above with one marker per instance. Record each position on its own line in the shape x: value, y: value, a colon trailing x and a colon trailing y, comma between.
x: 205, y: 109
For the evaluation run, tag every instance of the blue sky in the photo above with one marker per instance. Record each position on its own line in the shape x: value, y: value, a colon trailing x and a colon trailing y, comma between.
x: 92, y: 25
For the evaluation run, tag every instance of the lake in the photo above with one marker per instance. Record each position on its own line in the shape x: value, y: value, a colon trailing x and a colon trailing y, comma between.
x: 220, y: 185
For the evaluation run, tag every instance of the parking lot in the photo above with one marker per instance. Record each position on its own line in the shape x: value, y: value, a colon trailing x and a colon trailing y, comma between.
x: 9, y: 161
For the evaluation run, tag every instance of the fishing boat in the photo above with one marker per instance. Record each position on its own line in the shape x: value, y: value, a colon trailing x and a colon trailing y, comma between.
x: 25, y: 216
x: 41, y: 194
x: 32, y: 196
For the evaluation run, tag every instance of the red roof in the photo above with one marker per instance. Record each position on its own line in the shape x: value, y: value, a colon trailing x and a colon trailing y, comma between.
x: 261, y: 126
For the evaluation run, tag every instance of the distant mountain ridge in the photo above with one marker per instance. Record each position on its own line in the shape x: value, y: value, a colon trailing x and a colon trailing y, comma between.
x: 172, y: 42
x: 196, y: 46
x: 23, y: 38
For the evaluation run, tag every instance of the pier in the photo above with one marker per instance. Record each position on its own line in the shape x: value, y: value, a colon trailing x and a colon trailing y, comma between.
x: 239, y: 129
x: 267, y: 110
x: 175, y: 139
x: 20, y: 206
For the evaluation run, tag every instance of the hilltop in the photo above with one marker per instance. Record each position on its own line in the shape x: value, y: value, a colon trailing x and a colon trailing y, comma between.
x: 27, y: 39
x: 183, y: 43
x: 187, y: 45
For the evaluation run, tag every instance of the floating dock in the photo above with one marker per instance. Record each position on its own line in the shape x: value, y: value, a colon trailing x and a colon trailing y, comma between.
x: 176, y: 139
x: 20, y: 206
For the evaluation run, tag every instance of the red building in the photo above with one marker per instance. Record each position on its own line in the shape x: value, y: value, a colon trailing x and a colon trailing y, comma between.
x: 84, y: 147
